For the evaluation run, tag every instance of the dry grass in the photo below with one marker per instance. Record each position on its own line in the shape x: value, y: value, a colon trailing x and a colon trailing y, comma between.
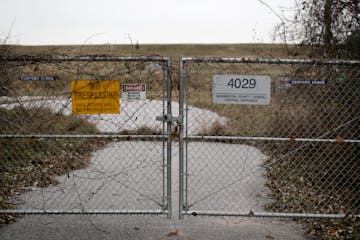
x: 35, y: 162
x: 173, y: 50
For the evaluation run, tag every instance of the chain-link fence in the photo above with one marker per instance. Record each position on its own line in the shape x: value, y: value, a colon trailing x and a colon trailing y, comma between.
x: 288, y: 149
x: 71, y: 143
x: 286, y: 141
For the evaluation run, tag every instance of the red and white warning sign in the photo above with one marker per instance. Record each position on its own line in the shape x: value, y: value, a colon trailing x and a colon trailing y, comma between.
x: 133, y: 91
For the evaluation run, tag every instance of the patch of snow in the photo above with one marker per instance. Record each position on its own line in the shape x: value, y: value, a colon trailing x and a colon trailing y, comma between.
x: 133, y: 114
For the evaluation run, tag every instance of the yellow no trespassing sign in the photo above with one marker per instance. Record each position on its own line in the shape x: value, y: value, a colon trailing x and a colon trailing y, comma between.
x: 95, y: 97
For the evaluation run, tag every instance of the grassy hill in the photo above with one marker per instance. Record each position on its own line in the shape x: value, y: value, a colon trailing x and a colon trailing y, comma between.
x: 173, y: 50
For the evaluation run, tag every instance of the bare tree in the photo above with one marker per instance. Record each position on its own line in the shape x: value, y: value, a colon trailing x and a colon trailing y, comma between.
x: 324, y: 24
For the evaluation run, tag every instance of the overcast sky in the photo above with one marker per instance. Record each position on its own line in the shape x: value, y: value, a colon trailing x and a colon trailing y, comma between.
x: 41, y: 22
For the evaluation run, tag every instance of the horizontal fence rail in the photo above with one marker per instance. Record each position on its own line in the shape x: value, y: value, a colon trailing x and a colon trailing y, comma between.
x: 240, y: 138
x: 87, y: 212
x: 266, y: 214
x: 84, y: 58
x: 270, y: 61
x: 116, y: 136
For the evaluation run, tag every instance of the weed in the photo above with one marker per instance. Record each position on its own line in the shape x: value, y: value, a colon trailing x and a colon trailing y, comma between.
x: 29, y: 162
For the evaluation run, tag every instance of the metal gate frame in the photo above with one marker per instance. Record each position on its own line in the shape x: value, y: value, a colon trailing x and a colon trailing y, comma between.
x: 184, y: 140
x: 166, y: 137
x: 168, y: 120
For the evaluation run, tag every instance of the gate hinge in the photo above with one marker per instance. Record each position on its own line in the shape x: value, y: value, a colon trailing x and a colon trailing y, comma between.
x: 169, y: 118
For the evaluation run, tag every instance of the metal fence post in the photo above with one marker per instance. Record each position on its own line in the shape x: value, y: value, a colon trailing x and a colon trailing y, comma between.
x: 169, y: 124
x: 186, y: 99
x: 181, y: 141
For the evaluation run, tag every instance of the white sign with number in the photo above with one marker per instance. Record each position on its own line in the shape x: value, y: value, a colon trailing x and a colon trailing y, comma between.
x: 241, y: 89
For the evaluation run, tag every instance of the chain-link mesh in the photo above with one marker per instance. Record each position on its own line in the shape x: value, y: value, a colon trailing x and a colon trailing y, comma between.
x: 297, y: 155
x: 55, y: 160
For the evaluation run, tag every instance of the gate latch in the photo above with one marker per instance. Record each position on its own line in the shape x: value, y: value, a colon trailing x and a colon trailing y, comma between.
x: 169, y: 118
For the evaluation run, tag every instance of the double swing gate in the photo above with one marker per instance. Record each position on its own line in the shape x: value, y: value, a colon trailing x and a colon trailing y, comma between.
x: 247, y: 137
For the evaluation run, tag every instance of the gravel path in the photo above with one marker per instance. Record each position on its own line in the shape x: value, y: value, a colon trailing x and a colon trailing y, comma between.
x: 128, y: 176
x: 134, y: 182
